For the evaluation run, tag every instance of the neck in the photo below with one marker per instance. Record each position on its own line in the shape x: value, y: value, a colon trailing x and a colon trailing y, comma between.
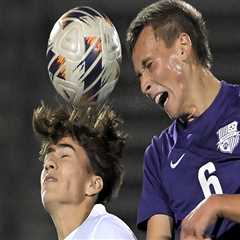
x: 66, y: 218
x: 203, y: 89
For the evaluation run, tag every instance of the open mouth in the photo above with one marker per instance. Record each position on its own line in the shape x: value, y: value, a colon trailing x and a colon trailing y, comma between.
x: 161, y: 98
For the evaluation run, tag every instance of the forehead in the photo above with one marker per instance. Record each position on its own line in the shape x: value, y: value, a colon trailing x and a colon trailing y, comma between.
x: 148, y: 47
x: 145, y: 43
x: 68, y: 142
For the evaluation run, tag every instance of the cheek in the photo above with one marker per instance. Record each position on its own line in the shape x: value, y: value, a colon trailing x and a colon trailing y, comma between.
x: 76, y: 188
x: 159, y: 70
x: 74, y: 179
x: 168, y: 71
x: 175, y: 65
x: 176, y: 70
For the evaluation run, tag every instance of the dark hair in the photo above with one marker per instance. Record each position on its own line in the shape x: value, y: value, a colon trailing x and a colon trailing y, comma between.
x: 169, y: 18
x: 96, y: 129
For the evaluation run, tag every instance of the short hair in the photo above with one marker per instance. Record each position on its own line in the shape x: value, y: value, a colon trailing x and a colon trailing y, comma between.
x: 169, y: 18
x: 97, y: 129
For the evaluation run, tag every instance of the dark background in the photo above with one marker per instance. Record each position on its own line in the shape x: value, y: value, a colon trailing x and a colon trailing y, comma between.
x: 24, y: 29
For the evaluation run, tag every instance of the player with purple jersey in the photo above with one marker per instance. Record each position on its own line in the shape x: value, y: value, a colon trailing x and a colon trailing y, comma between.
x: 191, y: 182
x: 185, y: 165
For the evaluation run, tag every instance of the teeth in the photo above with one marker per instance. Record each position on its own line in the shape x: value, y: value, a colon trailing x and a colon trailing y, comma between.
x: 166, y: 102
x: 157, y: 98
x: 161, y: 98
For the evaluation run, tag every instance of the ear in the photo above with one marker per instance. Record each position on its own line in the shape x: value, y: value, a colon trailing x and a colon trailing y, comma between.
x: 184, y: 46
x: 94, y: 186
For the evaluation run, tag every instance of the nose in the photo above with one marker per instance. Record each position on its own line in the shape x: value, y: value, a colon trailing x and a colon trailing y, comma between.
x: 146, y: 85
x: 49, y: 164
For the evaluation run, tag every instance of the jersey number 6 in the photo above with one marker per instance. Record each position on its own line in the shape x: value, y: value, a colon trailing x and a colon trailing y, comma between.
x: 209, y: 182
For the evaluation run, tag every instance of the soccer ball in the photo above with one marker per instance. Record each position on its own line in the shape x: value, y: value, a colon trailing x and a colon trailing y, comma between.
x: 84, y: 55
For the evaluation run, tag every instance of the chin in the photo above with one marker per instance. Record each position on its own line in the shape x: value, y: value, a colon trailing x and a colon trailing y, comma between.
x: 45, y: 199
x: 172, y: 115
x: 50, y: 205
x: 48, y: 199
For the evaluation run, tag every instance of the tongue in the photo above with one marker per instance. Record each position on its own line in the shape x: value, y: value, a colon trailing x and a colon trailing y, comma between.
x: 163, y: 99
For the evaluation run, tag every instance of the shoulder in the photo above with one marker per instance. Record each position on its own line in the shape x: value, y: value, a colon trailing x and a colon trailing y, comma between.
x: 161, y: 145
x: 231, y: 104
x: 110, y: 226
x: 232, y: 94
x: 231, y: 86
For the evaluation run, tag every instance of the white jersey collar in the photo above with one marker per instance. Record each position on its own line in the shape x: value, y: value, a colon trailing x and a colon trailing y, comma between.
x: 98, y: 209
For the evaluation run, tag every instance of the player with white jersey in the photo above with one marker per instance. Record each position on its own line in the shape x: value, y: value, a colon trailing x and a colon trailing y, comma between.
x: 191, y: 182
x: 101, y: 225
x: 81, y: 152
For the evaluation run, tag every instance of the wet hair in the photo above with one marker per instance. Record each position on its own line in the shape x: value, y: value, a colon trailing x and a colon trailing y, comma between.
x: 97, y: 129
x: 168, y: 19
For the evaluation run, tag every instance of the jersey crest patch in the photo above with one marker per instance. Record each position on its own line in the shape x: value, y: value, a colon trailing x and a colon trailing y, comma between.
x: 228, y: 137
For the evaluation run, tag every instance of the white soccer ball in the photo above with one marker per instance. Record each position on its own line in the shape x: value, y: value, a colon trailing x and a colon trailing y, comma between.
x: 84, y: 55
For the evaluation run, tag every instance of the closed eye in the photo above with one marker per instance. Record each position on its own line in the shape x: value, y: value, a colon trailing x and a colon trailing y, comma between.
x: 148, y: 64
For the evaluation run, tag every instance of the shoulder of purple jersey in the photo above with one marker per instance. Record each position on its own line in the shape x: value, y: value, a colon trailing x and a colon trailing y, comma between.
x: 160, y: 145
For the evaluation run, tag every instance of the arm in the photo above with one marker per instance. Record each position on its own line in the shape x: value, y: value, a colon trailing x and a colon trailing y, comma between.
x: 154, y: 212
x: 159, y: 227
x: 207, y: 213
x: 229, y: 206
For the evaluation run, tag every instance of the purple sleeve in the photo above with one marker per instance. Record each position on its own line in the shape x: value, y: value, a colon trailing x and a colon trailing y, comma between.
x: 153, y: 198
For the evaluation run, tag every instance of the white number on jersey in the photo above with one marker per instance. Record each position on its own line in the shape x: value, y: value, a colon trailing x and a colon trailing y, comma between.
x: 206, y: 182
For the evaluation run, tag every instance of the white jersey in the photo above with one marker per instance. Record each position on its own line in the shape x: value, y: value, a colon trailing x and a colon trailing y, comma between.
x: 101, y: 225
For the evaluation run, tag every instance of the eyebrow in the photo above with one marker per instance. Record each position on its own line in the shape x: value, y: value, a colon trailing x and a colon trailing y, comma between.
x: 64, y: 145
x: 60, y: 145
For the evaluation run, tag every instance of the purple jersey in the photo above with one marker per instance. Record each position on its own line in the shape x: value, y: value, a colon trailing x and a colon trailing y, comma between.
x: 184, y: 165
